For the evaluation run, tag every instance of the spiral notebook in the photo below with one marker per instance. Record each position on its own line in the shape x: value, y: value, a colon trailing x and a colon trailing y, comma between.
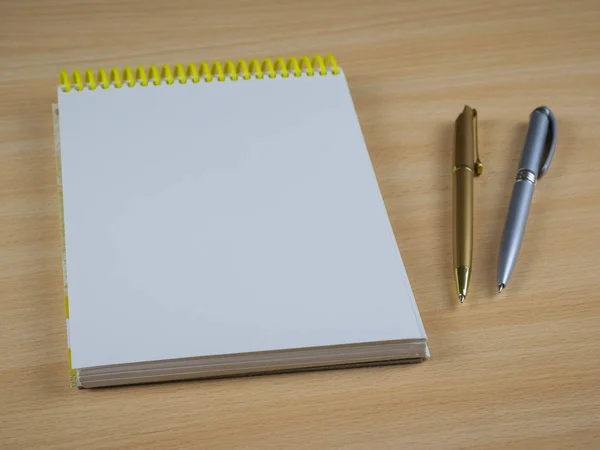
x: 224, y: 220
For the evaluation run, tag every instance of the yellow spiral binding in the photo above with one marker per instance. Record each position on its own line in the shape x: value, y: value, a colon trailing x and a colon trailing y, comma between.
x: 201, y: 72
x: 294, y: 67
x: 77, y: 80
x: 205, y: 72
x: 267, y: 67
x: 319, y: 64
x: 115, y: 78
x: 306, y: 65
x: 103, y: 79
x: 128, y: 77
x: 166, y: 75
x: 217, y: 71
x: 140, y: 74
x: 280, y: 66
x: 242, y: 69
x: 180, y: 74
x: 192, y: 73
x: 89, y: 79
x: 230, y: 71
x: 154, y: 75
x: 255, y: 69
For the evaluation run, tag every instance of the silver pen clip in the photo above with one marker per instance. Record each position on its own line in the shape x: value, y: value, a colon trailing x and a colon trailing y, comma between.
x: 550, y: 139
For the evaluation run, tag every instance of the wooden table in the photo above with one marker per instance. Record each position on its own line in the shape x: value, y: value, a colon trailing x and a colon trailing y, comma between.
x: 520, y: 370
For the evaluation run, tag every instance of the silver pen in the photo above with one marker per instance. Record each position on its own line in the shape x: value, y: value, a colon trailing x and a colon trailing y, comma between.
x: 539, y: 144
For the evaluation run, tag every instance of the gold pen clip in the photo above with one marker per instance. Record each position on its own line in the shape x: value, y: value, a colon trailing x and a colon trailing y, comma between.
x: 478, y: 165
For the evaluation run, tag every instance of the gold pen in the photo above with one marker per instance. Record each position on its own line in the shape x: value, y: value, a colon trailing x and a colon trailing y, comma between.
x: 465, y: 168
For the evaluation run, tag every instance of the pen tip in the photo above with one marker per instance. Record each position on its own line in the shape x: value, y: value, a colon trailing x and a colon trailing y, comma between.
x: 500, y: 287
x: 461, y: 298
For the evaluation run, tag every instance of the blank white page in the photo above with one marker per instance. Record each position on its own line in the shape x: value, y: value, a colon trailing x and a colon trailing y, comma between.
x: 224, y: 217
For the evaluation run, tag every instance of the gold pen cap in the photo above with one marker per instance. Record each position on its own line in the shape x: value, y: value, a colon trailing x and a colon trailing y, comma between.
x: 466, y: 147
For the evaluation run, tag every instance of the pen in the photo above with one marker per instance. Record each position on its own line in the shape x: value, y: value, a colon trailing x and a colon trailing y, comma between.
x: 464, y: 169
x: 541, y: 138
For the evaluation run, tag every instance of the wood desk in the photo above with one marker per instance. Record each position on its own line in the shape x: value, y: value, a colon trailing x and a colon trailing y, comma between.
x: 520, y: 370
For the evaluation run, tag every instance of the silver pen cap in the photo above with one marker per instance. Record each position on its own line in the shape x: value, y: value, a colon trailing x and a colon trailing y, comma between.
x: 541, y: 135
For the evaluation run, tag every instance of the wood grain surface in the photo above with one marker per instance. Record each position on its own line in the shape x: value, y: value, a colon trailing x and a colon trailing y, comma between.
x: 520, y: 370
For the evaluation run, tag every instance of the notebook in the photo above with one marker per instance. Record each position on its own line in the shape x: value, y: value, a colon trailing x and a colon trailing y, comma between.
x: 224, y: 220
